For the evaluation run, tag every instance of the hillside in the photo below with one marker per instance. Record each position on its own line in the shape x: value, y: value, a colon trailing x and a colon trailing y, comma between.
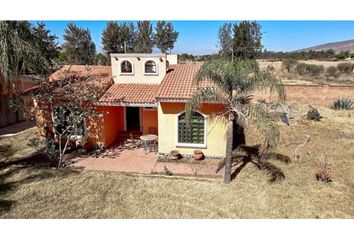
x: 347, y: 45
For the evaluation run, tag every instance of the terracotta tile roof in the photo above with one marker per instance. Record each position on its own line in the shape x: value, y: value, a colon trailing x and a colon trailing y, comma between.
x: 84, y: 79
x: 131, y: 93
x: 179, y: 82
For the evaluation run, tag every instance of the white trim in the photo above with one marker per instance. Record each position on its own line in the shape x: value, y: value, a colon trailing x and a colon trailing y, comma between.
x: 120, y: 67
x: 156, y: 65
x: 193, y: 145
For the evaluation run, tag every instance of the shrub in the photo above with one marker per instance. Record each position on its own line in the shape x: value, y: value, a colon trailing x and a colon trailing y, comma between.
x: 332, y: 71
x: 342, y: 104
x: 289, y: 64
x: 345, y: 68
x: 270, y: 68
x: 342, y: 55
x: 324, y: 172
x: 313, y: 114
x: 309, y: 69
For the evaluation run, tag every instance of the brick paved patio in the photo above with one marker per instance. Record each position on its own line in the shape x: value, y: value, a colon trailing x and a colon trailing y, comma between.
x: 136, y: 161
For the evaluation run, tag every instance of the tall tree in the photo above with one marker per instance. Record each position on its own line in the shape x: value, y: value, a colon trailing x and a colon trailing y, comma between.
x: 78, y: 45
x: 18, y: 54
x: 145, y: 38
x: 225, y: 40
x: 165, y: 36
x: 247, y: 38
x: 111, y: 39
x: 128, y: 36
x: 234, y: 83
x: 46, y: 43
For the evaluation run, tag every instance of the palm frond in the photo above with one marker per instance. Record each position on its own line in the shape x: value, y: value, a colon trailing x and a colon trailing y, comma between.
x: 203, y: 95
x: 263, y: 80
x: 267, y: 129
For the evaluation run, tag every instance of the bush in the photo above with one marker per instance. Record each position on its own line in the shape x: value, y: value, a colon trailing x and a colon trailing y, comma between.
x: 289, y: 64
x: 342, y: 104
x: 324, y: 172
x: 313, y: 114
x: 345, y: 68
x: 332, y: 71
x: 309, y: 69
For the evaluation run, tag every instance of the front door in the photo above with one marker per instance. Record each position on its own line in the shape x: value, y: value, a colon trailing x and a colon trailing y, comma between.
x: 132, y: 117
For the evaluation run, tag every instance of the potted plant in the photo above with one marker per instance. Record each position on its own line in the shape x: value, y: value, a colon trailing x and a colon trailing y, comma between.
x: 198, y: 155
x: 175, y: 155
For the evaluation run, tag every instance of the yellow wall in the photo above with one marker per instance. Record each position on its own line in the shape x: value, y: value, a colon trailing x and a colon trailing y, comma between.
x: 149, y: 119
x: 113, y: 121
x: 216, y: 130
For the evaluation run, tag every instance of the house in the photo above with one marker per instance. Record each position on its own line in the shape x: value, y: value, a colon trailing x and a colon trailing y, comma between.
x: 8, y: 115
x: 147, y: 93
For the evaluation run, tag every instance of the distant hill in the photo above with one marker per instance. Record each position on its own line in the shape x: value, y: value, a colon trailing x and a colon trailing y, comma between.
x: 347, y: 45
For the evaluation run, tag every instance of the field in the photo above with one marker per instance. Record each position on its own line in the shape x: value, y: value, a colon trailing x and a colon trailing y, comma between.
x: 293, y: 78
x: 34, y: 191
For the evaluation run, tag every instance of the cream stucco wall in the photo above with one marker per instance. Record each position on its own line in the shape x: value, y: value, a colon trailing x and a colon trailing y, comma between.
x: 138, y: 61
x: 167, y: 120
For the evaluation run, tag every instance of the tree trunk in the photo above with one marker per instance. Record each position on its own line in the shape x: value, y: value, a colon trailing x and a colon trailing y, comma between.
x: 228, y: 159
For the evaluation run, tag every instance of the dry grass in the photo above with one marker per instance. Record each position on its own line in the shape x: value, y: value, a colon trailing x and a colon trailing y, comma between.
x: 33, y: 192
x: 292, y: 78
x: 20, y: 145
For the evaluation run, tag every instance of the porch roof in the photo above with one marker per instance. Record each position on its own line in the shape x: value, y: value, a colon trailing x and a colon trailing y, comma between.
x: 130, y: 93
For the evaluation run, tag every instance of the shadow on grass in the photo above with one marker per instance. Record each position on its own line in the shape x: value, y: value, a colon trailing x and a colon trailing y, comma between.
x: 244, y: 155
x: 16, y: 173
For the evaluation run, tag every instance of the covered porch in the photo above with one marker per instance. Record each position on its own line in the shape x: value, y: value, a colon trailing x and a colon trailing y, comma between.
x: 124, y: 122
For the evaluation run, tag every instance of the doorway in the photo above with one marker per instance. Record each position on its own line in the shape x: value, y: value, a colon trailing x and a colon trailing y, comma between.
x: 132, y: 117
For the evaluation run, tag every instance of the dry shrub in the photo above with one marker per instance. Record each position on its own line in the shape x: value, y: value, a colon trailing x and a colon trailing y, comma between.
x: 345, y: 68
x: 324, y: 171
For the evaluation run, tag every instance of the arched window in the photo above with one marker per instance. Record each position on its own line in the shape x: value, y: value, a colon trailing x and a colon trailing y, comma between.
x: 192, y: 133
x: 150, y: 67
x: 126, y: 67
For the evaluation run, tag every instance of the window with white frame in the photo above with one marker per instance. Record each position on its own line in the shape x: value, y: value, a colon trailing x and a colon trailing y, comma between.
x: 150, y: 67
x: 192, y: 133
x: 126, y: 67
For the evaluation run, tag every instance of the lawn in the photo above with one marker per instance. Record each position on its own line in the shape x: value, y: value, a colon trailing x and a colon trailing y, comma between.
x: 31, y: 191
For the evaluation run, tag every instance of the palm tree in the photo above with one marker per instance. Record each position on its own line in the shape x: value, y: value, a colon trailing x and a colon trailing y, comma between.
x: 232, y: 84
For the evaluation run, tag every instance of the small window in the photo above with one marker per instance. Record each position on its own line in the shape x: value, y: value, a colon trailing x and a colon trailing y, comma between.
x: 192, y: 133
x: 150, y: 67
x: 126, y: 67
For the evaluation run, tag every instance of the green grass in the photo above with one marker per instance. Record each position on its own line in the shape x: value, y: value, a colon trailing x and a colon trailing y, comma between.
x: 30, y: 191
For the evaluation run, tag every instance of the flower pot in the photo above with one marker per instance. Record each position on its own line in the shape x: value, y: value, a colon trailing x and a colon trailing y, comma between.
x: 198, y: 155
x: 174, y: 155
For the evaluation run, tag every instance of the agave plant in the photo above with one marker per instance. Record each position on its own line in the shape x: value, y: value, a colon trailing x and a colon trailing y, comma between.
x: 342, y: 104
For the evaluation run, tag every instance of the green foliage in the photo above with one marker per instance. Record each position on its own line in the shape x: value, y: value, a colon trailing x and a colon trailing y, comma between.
x: 165, y: 36
x: 235, y: 82
x: 246, y: 41
x: 313, y: 114
x: 318, y: 55
x: 342, y: 104
x: 186, y: 56
x: 23, y: 50
x: 289, y: 64
x: 346, y: 68
x: 145, y: 37
x: 225, y: 40
x: 78, y: 45
x: 342, y: 55
x: 332, y: 71
x: 101, y: 59
x: 309, y: 69
x: 118, y: 38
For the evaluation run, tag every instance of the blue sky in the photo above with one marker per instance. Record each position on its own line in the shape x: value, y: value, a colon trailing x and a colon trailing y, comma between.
x: 200, y: 37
